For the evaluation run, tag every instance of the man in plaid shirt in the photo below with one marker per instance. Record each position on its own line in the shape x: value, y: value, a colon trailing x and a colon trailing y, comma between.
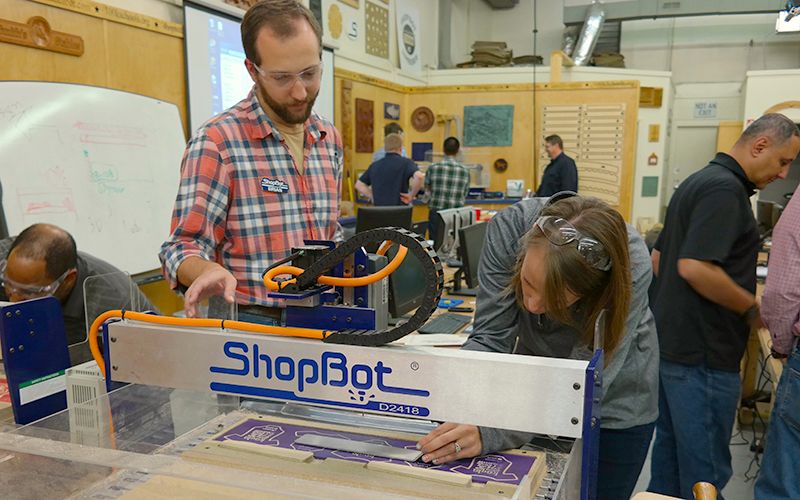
x: 447, y: 182
x: 261, y: 176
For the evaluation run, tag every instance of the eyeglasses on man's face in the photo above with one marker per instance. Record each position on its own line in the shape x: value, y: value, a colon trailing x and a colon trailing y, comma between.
x: 561, y: 232
x: 14, y: 288
x: 284, y: 80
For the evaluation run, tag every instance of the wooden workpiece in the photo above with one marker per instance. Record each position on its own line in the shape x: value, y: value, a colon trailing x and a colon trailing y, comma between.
x: 372, y: 475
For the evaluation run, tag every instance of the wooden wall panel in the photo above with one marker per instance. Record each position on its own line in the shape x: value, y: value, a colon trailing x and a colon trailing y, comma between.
x: 26, y: 63
x: 378, y: 94
x: 117, y: 56
x: 519, y: 155
x: 527, y: 133
x: 146, y: 63
x: 728, y: 134
x: 600, y: 93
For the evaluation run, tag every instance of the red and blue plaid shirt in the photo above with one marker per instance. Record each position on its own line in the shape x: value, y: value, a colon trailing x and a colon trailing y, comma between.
x: 243, y: 204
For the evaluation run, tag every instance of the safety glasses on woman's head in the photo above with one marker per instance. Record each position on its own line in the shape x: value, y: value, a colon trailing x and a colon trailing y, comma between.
x: 29, y: 291
x: 561, y: 232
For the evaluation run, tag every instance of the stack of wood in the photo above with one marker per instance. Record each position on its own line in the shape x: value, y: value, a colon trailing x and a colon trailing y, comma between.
x: 486, y: 54
x: 609, y: 60
x: 528, y: 60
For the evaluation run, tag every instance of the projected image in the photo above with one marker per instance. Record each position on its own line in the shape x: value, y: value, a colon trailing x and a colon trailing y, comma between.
x: 230, y: 82
x: 216, y: 77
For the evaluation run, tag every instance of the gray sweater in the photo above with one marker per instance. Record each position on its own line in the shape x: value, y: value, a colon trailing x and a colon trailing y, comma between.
x: 630, y: 378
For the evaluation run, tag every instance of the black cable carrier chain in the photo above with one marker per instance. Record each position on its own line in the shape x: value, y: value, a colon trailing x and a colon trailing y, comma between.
x: 431, y: 270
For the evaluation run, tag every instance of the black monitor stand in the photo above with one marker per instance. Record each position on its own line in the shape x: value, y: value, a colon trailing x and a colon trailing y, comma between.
x: 458, y: 289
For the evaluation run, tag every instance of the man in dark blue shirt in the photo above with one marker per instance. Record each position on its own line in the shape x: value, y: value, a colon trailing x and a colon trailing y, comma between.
x: 385, y: 182
x: 561, y: 174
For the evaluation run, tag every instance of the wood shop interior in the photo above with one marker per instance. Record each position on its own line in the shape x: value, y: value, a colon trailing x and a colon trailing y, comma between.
x: 399, y: 249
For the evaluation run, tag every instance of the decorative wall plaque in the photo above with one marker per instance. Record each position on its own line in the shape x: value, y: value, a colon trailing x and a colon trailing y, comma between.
x: 377, y: 27
x: 37, y: 33
x: 500, y: 165
x: 422, y: 119
x: 335, y: 21
x: 365, y: 126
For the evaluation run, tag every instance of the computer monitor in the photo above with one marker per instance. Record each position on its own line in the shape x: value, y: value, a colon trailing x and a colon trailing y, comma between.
x: 777, y: 210
x: 764, y: 211
x: 471, y: 240
x: 406, y: 289
x: 374, y: 217
x: 449, y: 221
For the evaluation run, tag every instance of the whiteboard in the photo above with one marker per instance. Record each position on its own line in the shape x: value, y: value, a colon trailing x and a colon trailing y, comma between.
x: 100, y: 163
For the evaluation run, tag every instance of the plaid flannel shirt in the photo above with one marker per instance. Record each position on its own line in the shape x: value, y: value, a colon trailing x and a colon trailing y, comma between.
x: 243, y: 204
x: 780, y: 304
x: 448, y: 182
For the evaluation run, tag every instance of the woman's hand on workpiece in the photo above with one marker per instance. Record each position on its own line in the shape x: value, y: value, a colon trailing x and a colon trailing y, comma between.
x: 450, y: 442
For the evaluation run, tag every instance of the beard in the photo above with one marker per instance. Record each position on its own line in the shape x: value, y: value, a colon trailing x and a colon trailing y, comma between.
x: 282, y: 110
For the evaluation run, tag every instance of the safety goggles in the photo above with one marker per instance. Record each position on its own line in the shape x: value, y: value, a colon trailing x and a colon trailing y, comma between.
x: 560, y: 232
x: 30, y: 291
x: 281, y: 79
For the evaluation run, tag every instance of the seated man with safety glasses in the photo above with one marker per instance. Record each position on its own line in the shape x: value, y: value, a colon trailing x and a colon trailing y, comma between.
x: 548, y: 269
x: 43, y: 260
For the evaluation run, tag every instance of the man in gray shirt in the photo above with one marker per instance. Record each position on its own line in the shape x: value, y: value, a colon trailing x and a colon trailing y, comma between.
x: 43, y: 260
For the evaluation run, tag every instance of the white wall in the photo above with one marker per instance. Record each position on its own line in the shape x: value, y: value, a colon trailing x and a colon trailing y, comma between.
x: 474, y: 20
x: 764, y: 89
x: 709, y: 48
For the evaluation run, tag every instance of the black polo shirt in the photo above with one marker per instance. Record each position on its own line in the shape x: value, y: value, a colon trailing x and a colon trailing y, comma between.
x: 561, y: 174
x: 709, y: 218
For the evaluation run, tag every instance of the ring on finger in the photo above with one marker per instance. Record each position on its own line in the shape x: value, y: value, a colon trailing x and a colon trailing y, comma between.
x: 457, y: 447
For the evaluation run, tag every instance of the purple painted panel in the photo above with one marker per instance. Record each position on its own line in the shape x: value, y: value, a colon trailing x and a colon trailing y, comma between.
x: 498, y: 467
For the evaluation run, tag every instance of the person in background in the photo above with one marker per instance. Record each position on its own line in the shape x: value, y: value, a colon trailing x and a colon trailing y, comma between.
x: 447, y: 182
x: 561, y: 174
x: 389, y: 128
x: 386, y: 182
x: 43, y: 260
x: 780, y: 310
x: 259, y: 178
x: 548, y: 268
x: 705, y: 306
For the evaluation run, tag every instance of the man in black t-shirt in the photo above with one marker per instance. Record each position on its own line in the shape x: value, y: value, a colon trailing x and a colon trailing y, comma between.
x: 704, y: 304
x: 561, y: 174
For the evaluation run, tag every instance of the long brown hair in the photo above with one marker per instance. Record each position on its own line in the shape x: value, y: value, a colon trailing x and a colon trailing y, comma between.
x: 567, y: 269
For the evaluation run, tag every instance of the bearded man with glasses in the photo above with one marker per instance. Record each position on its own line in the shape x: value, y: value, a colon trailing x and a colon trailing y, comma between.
x: 43, y: 260
x: 548, y: 269
x: 260, y: 177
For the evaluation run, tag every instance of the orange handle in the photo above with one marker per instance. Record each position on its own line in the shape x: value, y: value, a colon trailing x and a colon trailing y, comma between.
x: 275, y: 286
x: 307, y: 333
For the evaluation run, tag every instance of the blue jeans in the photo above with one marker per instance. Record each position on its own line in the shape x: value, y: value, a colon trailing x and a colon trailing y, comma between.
x: 780, y: 475
x: 697, y: 407
x: 622, y: 455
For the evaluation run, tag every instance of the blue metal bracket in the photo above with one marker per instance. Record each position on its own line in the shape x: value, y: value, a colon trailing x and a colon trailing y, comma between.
x: 590, y: 454
x: 35, y: 357
x: 331, y: 317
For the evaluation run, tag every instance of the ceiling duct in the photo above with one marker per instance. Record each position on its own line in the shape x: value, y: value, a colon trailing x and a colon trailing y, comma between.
x: 502, y: 4
x: 627, y: 10
x: 590, y: 32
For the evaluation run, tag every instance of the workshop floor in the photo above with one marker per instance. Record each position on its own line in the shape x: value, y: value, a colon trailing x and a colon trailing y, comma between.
x: 738, y: 488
